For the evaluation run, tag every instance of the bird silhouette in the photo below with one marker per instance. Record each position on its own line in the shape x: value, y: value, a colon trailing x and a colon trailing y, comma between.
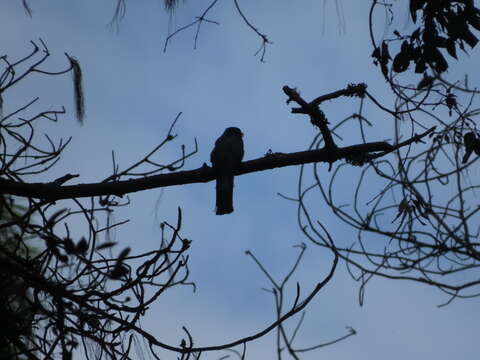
x: 472, y: 144
x: 226, y: 157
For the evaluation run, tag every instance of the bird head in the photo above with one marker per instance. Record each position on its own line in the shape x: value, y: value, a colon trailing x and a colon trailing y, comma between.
x: 233, y: 131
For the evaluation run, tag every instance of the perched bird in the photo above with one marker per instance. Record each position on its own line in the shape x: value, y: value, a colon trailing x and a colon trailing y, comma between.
x: 226, y: 157
x: 472, y: 144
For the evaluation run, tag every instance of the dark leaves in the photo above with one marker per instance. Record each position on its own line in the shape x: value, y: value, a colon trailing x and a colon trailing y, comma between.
x: 69, y: 246
x: 442, y: 25
x: 106, y: 245
x: 435, y: 59
x: 82, y: 246
x: 451, y: 49
x: 416, y: 5
x: 420, y: 66
x: 402, y: 59
x: 120, y: 270
x: 472, y: 15
x: 426, y: 82
x: 469, y: 38
x: 75, y: 249
x: 382, y: 57
x: 54, y: 218
x: 440, y: 41
x: 457, y: 28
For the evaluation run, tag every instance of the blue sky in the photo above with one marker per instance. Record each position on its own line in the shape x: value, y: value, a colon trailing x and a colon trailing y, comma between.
x: 134, y: 91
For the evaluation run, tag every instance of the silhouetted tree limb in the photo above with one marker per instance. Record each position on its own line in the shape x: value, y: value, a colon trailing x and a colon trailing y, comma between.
x: 414, y: 213
x: 53, y: 191
x: 279, y: 292
x: 112, y: 185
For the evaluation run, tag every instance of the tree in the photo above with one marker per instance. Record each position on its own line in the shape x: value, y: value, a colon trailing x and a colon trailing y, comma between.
x: 83, y: 312
x: 80, y: 293
x: 429, y: 238
x: 17, y: 314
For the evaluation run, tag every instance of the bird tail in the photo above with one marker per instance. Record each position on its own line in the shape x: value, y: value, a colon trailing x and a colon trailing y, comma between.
x: 224, y: 203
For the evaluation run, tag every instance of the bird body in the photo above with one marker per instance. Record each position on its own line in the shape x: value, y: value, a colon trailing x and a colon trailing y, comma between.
x: 226, y: 157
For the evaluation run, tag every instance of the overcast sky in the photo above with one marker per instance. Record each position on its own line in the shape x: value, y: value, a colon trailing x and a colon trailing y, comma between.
x: 134, y: 91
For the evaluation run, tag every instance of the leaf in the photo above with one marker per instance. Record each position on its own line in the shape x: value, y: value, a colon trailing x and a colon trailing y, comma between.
x: 405, y: 47
x: 384, y: 69
x: 106, y: 245
x: 118, y: 271
x: 385, y: 55
x: 53, y: 219
x: 69, y: 246
x: 429, y: 34
x: 451, y: 49
x: 414, y: 6
x: 426, y: 82
x: 416, y: 53
x: 62, y: 258
x: 436, y: 59
x: 401, y: 62
x: 440, y: 41
x: 469, y: 38
x: 124, y: 253
x: 416, y: 34
x: 473, y: 17
x: 82, y: 246
x: 420, y: 66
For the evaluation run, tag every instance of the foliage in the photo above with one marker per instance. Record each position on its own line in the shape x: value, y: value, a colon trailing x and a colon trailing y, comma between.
x: 410, y: 229
x: 16, y: 312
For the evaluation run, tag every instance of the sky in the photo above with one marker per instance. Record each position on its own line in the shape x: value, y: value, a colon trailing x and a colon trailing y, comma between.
x: 134, y: 90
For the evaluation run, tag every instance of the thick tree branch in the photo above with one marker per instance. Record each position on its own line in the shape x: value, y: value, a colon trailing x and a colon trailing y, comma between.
x: 317, y: 117
x: 54, y: 191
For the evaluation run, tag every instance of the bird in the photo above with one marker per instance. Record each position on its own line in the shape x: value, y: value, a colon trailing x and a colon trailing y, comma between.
x: 226, y: 157
x: 472, y: 144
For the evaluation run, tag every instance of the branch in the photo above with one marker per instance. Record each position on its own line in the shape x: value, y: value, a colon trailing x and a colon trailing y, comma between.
x: 53, y: 191
x: 317, y: 117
